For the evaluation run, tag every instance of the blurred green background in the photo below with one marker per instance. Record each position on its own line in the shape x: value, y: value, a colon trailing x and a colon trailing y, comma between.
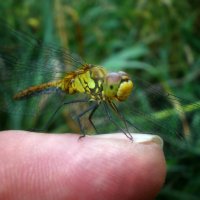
x: 156, y: 39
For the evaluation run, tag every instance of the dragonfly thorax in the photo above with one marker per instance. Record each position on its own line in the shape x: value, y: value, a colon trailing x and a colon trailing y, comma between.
x: 89, y: 80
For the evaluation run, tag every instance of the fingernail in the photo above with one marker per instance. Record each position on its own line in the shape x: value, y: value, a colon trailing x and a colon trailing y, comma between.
x: 137, y: 138
x: 148, y: 138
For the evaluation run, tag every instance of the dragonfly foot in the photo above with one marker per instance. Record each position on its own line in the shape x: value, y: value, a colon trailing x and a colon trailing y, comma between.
x: 130, y: 137
x: 80, y: 137
x: 37, y: 130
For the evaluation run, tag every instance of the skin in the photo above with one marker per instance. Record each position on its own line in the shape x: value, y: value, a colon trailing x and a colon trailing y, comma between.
x: 61, y: 167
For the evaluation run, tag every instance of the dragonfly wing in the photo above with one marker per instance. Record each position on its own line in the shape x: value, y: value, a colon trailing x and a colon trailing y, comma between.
x: 23, y: 54
x: 26, y: 62
x: 151, y: 109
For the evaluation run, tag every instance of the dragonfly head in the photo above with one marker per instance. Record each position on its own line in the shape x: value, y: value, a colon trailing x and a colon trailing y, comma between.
x: 117, y: 85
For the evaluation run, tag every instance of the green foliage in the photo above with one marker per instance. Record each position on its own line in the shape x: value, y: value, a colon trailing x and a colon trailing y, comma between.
x: 156, y: 40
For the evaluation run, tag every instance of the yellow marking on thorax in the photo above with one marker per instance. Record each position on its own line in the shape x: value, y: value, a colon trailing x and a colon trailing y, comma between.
x: 88, y: 82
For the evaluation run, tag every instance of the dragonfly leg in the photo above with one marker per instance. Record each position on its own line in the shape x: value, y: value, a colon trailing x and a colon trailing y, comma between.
x: 114, y: 107
x: 128, y: 135
x: 78, y: 117
x: 60, y: 106
x: 138, y: 129
x: 91, y: 115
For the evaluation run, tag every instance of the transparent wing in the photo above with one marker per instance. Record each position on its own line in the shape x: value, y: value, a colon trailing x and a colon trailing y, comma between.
x: 26, y: 62
x: 151, y: 109
x: 21, y: 54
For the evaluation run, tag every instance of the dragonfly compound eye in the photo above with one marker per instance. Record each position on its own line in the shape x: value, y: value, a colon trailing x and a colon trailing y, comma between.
x: 111, y: 85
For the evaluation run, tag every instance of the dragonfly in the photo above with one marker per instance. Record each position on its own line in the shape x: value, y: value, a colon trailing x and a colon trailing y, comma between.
x: 96, y: 82
x: 45, y: 78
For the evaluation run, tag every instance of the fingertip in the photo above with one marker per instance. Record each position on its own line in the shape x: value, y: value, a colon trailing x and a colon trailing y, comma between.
x: 99, y: 167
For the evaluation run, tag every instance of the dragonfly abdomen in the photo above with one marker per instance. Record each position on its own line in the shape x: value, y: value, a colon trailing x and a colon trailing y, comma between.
x: 38, y: 90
